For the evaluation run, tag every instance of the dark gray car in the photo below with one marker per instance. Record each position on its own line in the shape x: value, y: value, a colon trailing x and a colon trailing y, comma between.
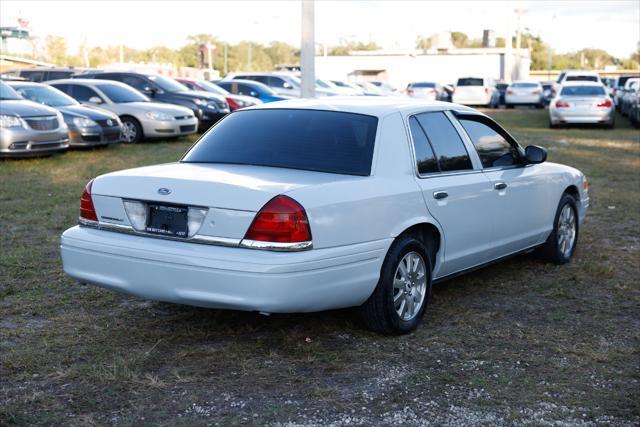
x: 29, y: 129
x: 87, y: 126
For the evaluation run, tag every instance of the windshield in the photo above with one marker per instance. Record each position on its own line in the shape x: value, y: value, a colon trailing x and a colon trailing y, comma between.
x: 7, y: 93
x: 322, y: 141
x: 423, y: 84
x: 120, y: 94
x: 46, y: 95
x: 210, y: 87
x: 168, y: 84
x: 582, y: 91
x: 470, y: 82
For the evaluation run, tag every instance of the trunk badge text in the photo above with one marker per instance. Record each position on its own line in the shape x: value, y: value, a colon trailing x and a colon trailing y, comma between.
x: 164, y: 191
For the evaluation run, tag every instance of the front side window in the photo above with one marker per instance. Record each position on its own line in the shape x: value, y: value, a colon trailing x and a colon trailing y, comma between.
x: 425, y: 159
x: 136, y: 83
x: 446, y: 142
x: 313, y: 140
x: 493, y: 148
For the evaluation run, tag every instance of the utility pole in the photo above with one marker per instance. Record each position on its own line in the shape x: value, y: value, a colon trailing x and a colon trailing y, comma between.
x: 308, y: 50
x: 225, y: 59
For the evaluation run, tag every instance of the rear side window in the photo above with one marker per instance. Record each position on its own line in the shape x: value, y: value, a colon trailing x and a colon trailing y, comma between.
x: 56, y: 75
x: 323, y: 141
x: 582, y: 91
x: 445, y: 141
x: 470, y: 82
x: 493, y: 148
x: 82, y: 93
x: 34, y: 76
x: 425, y: 159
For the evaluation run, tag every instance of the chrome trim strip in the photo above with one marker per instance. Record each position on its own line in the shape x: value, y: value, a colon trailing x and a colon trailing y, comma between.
x: 276, y: 246
x: 201, y: 239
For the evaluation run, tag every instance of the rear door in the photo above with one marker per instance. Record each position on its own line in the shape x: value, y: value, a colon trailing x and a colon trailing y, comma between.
x: 519, y: 205
x: 455, y: 191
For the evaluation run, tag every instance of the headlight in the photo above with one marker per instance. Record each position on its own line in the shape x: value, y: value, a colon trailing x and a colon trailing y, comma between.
x: 200, y: 102
x: 84, y: 122
x: 7, y: 121
x: 153, y: 115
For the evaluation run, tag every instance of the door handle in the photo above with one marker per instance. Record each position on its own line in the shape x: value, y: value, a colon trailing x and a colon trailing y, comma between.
x: 439, y: 195
x: 500, y: 185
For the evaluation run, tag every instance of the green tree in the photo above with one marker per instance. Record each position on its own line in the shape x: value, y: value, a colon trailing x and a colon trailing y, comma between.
x: 459, y: 39
x: 56, y: 48
x: 345, y: 49
x: 423, y: 42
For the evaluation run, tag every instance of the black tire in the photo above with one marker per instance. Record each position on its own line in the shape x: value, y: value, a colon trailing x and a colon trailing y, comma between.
x: 131, y: 130
x: 551, y: 250
x: 379, y: 312
x: 552, y: 126
x: 509, y: 106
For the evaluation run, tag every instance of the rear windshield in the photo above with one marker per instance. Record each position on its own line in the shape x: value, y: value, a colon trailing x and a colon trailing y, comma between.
x: 582, y: 91
x: 423, y: 84
x: 470, y: 82
x: 581, y: 79
x: 323, y: 141
x: 525, y: 85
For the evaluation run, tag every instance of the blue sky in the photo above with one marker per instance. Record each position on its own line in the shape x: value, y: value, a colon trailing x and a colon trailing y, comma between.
x: 568, y: 25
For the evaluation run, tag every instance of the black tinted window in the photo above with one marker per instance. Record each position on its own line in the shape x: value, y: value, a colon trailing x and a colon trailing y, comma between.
x: 83, y: 93
x: 244, y: 90
x: 446, y: 143
x: 470, y: 82
x: 55, y: 75
x: 582, y: 91
x: 324, y: 141
x: 582, y: 79
x: 34, y: 76
x: 494, y: 150
x: 425, y: 159
x: 63, y: 87
x: 136, y: 83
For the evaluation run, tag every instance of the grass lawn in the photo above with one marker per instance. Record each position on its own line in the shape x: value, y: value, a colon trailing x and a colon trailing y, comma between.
x: 521, y: 342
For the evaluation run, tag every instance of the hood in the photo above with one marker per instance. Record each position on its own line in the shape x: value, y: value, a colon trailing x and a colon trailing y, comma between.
x: 24, y: 108
x: 83, y: 111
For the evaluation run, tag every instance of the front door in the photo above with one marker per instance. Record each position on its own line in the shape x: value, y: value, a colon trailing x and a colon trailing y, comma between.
x: 455, y: 192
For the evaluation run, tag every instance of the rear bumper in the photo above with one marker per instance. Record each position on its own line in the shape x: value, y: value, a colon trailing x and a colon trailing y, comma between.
x: 559, y: 116
x: 222, y: 277
x: 523, y: 100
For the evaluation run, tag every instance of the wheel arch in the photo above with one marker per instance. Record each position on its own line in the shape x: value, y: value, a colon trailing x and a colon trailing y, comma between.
x: 573, y: 190
x: 431, y: 235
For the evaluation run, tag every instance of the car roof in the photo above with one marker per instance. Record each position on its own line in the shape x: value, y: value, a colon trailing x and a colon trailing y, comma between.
x: 89, y: 82
x: 379, y: 107
x: 19, y: 83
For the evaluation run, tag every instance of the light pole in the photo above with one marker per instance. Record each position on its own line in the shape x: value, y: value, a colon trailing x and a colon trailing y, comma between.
x: 307, y: 50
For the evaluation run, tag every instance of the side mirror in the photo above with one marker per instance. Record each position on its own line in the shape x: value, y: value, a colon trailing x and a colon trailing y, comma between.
x: 95, y: 100
x: 287, y: 85
x: 148, y: 90
x: 254, y: 94
x: 535, y: 154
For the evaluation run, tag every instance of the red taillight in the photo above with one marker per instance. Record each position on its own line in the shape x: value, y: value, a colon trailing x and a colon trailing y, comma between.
x: 87, y: 210
x: 535, y: 92
x: 562, y: 104
x: 509, y: 92
x: 486, y: 90
x: 409, y: 91
x: 606, y: 103
x: 281, y: 220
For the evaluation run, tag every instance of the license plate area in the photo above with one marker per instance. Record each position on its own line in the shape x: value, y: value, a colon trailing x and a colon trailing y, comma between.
x: 168, y: 220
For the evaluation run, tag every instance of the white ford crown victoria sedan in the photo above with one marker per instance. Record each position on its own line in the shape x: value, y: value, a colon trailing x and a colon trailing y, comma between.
x: 309, y: 205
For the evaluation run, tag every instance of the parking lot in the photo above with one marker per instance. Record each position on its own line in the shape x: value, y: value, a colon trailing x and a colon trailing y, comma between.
x: 521, y: 342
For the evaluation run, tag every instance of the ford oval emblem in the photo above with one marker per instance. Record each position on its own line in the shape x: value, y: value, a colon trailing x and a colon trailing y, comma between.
x: 164, y: 191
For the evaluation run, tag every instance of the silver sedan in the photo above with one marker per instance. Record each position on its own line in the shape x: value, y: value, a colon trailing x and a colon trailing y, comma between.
x: 581, y: 103
x: 141, y: 118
